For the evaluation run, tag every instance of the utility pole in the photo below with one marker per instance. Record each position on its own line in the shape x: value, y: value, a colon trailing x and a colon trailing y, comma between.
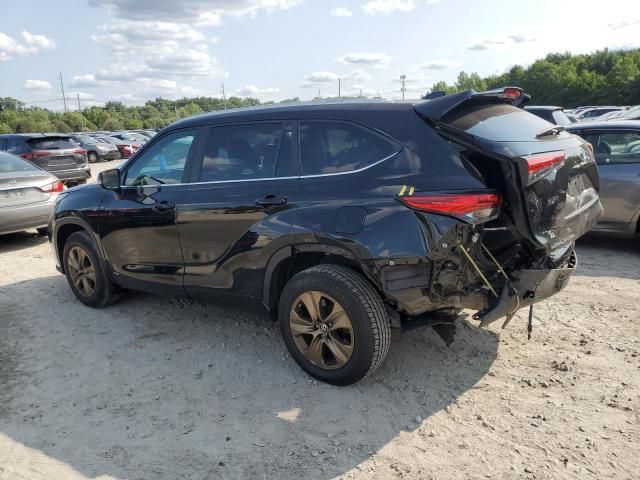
x: 64, y: 100
x: 175, y: 109
x: 224, y: 96
x: 319, y: 96
x: 403, y: 83
x: 339, y: 88
x: 79, y: 102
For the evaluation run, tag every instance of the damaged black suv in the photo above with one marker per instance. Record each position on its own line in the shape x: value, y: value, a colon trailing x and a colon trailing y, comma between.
x: 343, y: 219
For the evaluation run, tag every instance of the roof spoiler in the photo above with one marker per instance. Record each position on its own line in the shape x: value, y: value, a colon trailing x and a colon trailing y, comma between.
x: 437, y: 108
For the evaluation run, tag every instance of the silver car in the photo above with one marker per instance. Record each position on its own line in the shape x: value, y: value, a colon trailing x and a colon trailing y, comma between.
x: 27, y: 194
x: 616, y: 145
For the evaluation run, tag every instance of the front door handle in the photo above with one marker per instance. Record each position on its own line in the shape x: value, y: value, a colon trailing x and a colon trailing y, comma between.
x: 164, y: 206
x: 271, y: 201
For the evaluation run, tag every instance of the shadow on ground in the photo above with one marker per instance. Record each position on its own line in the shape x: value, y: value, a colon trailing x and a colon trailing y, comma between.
x: 14, y: 242
x: 161, y: 388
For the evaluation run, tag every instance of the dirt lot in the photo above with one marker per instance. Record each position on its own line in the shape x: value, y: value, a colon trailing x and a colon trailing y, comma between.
x: 161, y: 388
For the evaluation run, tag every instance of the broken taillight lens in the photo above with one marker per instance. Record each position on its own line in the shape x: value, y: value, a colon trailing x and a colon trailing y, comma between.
x: 540, y: 165
x: 470, y: 207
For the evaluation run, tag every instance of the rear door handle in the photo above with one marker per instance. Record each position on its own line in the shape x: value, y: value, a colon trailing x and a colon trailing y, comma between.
x: 271, y: 201
x: 164, y: 206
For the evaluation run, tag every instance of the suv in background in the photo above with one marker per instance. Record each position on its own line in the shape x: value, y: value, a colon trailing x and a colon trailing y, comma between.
x: 56, y: 153
x: 97, y: 151
x: 551, y: 114
x: 343, y: 219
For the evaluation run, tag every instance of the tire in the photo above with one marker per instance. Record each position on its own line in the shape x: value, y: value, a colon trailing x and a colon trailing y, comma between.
x: 367, y: 342
x: 44, y: 231
x: 92, y: 157
x: 103, y: 292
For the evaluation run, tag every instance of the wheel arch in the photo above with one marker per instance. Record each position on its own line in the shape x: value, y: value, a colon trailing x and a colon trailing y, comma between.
x: 288, y: 261
x: 64, y: 228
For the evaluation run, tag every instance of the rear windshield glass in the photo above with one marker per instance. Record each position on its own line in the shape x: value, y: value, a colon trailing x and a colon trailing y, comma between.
x: 51, y: 143
x: 85, y: 139
x: 560, y: 118
x: 11, y: 163
x: 500, y: 123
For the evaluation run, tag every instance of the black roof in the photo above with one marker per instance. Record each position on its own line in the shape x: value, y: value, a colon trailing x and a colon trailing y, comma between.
x: 612, y: 124
x: 543, y: 107
x: 308, y: 109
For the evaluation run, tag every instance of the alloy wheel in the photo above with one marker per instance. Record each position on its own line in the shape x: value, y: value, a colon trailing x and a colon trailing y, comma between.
x: 81, y: 271
x: 321, y: 330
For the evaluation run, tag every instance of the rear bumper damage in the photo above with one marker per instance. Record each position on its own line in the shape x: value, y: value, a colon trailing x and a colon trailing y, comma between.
x: 526, y: 287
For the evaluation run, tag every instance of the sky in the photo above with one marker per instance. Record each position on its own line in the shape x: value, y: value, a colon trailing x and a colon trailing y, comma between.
x: 136, y: 50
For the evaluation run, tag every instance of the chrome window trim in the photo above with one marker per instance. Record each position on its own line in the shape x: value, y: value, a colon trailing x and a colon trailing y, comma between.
x: 301, y: 177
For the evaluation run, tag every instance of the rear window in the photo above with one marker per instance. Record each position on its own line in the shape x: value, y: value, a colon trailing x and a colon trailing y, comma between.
x: 500, y: 123
x: 11, y: 163
x: 51, y: 143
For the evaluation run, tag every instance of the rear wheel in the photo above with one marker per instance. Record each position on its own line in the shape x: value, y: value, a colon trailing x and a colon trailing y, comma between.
x: 92, y: 157
x: 85, y: 274
x: 334, y: 324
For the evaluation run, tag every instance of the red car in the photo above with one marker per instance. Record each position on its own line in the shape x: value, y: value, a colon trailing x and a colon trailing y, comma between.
x: 125, y: 148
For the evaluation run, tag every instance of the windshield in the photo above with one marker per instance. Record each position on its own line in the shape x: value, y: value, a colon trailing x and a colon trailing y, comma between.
x: 11, y: 163
x: 86, y: 139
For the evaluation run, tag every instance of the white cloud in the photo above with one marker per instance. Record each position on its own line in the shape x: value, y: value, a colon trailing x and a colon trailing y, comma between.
x: 253, y: 91
x: 341, y: 12
x: 625, y: 24
x: 377, y: 7
x: 87, y: 80
x: 29, y: 45
x: 379, y: 60
x: 190, y: 10
x: 40, y: 85
x: 358, y: 75
x: 501, y: 41
x: 317, y: 78
x: 438, y: 65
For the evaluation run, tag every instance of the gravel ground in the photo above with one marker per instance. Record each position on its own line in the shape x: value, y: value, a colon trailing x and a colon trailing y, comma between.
x: 162, y: 388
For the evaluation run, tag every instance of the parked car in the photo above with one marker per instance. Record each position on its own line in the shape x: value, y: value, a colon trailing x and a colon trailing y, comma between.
x: 125, y: 147
x: 551, y: 114
x: 27, y: 193
x: 97, y: 151
x: 130, y: 137
x: 592, y: 114
x: 632, y: 113
x: 342, y: 219
x: 56, y: 153
x: 617, y: 151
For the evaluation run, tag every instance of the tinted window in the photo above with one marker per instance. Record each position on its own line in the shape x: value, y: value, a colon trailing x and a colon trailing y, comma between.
x: 501, y: 123
x: 15, y: 145
x: 327, y: 147
x: 615, y: 147
x: 243, y: 152
x: 164, y: 162
x: 11, y: 163
x: 51, y: 143
x: 560, y: 118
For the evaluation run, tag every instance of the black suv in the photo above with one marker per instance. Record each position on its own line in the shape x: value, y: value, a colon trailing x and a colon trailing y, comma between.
x: 343, y: 219
x: 56, y: 153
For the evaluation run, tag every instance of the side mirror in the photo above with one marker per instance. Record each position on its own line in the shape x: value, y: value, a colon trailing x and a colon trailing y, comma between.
x: 110, y: 179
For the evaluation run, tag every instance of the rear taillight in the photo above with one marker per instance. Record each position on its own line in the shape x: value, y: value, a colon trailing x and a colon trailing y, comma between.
x: 542, y: 164
x: 55, y: 187
x: 33, y: 155
x: 80, y: 151
x: 470, y: 207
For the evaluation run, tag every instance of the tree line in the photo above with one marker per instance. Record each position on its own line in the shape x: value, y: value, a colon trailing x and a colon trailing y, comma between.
x: 606, y: 77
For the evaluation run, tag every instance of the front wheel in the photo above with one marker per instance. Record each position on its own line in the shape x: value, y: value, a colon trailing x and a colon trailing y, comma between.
x: 92, y: 157
x: 85, y: 274
x: 334, y: 324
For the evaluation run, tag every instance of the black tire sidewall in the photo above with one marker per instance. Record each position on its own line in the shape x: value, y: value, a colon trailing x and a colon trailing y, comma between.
x: 95, y: 155
x: 363, y: 352
x: 83, y: 240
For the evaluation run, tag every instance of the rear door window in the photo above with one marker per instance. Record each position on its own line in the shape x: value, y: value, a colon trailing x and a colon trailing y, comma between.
x: 615, y: 147
x: 15, y: 145
x: 245, y: 152
x: 51, y: 143
x: 339, y: 147
x: 500, y: 123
